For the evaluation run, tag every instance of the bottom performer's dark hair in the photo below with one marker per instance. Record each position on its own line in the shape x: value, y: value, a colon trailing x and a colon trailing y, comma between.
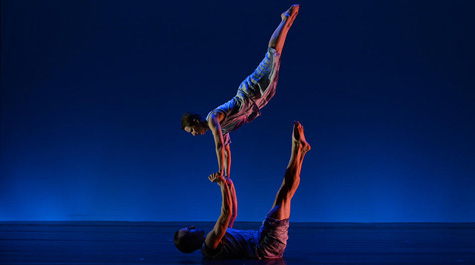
x: 184, y: 243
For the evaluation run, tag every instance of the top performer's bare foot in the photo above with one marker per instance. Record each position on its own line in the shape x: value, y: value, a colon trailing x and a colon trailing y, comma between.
x: 298, y: 138
x: 290, y: 14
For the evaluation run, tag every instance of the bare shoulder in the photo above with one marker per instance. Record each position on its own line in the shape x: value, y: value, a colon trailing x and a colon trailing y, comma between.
x: 215, y: 117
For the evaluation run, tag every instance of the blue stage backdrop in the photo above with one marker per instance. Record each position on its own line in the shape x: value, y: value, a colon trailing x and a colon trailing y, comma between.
x: 92, y: 93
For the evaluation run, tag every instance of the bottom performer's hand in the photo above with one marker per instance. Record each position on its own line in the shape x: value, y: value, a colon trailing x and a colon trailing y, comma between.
x: 216, y: 177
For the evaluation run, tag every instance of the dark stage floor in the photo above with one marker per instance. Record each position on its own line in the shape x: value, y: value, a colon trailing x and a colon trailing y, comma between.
x: 309, y: 243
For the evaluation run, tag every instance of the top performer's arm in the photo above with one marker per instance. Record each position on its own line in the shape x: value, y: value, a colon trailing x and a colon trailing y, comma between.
x: 215, y: 128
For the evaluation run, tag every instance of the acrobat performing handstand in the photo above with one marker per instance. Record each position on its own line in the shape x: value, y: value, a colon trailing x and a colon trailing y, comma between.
x: 252, y: 95
x: 266, y: 243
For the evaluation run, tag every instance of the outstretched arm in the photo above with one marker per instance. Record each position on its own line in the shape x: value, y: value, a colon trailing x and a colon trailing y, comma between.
x: 213, y: 239
x: 227, y: 156
x: 215, y: 128
x: 232, y: 192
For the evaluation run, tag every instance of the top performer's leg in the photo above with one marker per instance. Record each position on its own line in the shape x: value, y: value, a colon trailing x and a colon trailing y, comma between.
x: 277, y: 39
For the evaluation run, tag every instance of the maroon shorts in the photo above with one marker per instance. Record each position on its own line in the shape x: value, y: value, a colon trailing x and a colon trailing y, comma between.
x: 272, y: 238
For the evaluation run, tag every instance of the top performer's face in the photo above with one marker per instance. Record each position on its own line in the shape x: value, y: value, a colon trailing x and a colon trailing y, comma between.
x: 195, y: 130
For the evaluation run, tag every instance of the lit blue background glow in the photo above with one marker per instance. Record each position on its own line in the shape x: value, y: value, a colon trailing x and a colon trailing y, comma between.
x: 92, y: 93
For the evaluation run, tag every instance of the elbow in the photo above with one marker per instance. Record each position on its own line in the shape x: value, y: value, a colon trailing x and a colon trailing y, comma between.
x: 219, y: 147
x: 228, y: 212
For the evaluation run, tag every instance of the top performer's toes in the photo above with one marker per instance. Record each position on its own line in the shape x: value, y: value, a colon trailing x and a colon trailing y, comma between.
x: 291, y: 13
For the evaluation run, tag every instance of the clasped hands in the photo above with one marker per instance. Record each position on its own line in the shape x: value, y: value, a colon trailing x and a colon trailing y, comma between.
x: 218, y: 178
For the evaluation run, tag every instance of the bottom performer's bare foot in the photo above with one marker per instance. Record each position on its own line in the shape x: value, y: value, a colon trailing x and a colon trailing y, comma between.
x: 298, y: 138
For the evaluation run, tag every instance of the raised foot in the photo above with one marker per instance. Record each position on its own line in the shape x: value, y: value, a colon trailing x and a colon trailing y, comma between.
x: 290, y: 13
x: 298, y: 138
